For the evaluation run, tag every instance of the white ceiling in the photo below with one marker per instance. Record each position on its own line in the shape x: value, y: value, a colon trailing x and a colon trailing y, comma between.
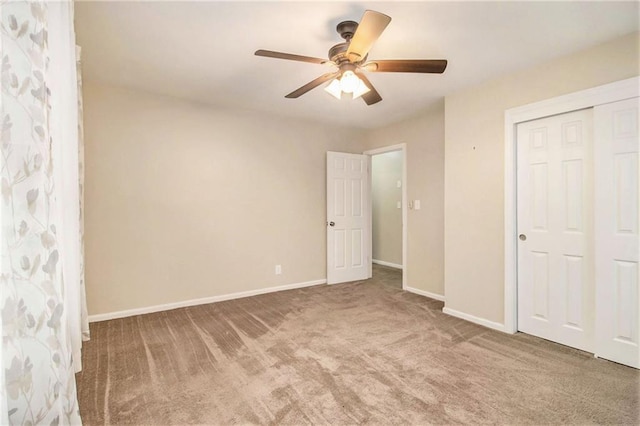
x: 203, y: 51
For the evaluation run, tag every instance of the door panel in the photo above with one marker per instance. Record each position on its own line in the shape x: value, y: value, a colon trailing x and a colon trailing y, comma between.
x: 573, y: 266
x: 348, y: 209
x: 616, y: 232
x: 540, y: 285
x: 555, y: 261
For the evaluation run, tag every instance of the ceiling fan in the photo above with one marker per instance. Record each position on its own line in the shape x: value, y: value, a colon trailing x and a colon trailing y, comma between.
x: 350, y: 59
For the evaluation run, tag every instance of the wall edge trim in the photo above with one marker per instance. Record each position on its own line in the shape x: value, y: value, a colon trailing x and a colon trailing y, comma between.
x: 424, y: 293
x: 201, y: 301
x: 385, y: 263
x: 477, y: 320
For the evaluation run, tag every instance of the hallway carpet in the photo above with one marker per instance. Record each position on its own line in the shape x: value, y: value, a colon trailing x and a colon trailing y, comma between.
x: 362, y: 352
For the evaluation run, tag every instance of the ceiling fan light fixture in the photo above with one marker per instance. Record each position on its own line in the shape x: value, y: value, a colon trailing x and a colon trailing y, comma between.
x: 349, y: 81
x: 334, y: 88
x: 360, y: 90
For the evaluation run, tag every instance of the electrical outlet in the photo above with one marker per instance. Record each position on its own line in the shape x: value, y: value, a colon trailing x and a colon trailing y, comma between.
x: 278, y: 269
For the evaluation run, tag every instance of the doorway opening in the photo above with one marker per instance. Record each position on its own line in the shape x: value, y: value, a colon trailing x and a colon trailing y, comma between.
x: 388, y: 214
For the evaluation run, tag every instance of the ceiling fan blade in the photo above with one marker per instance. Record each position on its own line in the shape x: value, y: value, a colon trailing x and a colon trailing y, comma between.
x: 289, y: 56
x: 369, y: 29
x: 372, y: 96
x: 435, y: 66
x: 312, y: 84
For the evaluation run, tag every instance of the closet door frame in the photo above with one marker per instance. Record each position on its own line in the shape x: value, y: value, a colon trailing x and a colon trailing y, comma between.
x: 589, y: 98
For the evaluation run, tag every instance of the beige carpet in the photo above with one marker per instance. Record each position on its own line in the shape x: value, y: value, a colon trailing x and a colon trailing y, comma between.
x: 363, y: 352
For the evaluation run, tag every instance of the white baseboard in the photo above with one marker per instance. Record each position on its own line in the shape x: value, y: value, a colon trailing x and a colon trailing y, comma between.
x: 389, y: 264
x: 425, y: 293
x: 202, y: 301
x: 474, y: 319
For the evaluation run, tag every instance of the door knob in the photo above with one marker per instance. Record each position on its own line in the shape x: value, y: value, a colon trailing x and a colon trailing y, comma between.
x: 332, y: 223
x: 522, y: 237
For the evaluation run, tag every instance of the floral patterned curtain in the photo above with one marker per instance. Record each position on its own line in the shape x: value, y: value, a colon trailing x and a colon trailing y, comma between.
x: 37, y: 359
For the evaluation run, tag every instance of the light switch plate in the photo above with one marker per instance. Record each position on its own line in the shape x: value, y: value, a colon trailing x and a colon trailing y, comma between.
x: 416, y: 204
x: 398, y: 205
x: 399, y: 184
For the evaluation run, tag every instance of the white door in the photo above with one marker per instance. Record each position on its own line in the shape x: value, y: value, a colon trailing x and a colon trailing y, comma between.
x: 555, y: 259
x: 348, y: 213
x: 616, y: 232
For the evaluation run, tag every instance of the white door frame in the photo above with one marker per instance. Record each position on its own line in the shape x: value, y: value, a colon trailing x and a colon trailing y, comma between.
x: 402, y: 147
x: 612, y: 92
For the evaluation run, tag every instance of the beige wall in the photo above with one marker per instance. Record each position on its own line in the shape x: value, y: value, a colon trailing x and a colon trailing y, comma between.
x: 185, y: 201
x: 386, y: 172
x: 424, y: 136
x: 241, y: 191
x: 474, y: 166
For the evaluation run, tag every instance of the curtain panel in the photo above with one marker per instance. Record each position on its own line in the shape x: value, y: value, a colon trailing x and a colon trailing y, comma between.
x: 42, y: 304
x: 84, y: 313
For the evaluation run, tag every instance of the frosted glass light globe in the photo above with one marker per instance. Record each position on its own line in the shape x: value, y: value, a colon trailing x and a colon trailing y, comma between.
x: 349, y: 82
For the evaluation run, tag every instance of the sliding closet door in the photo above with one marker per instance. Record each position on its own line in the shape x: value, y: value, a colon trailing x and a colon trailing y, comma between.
x: 555, y: 246
x: 616, y: 232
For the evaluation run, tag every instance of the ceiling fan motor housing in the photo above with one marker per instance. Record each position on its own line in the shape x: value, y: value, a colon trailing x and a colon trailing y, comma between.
x: 338, y: 52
